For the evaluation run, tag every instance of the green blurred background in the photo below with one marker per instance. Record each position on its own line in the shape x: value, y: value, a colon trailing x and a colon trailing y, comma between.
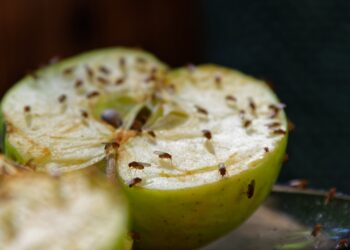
x: 301, y: 46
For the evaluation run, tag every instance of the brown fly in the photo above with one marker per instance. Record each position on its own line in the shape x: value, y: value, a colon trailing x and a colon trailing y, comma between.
x: 135, y: 181
x: 251, y: 189
x: 222, y: 169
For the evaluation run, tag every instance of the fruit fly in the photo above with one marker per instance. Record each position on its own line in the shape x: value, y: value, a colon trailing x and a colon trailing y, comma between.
x: 92, y: 94
x: 138, y: 165
x: 102, y: 80
x: 104, y: 70
x: 218, y: 80
x: 247, y: 123
x: 201, y: 110
x: 84, y: 114
x: 78, y: 83
x: 342, y: 244
x: 151, y: 133
x: 163, y: 155
x: 273, y: 124
x: 62, y: 98
x: 89, y: 72
x: 27, y: 115
x: 222, y: 169
x: 68, y: 71
x: 279, y: 131
x: 135, y: 235
x: 207, y: 134
x: 330, y: 195
x: 291, y: 126
x: 112, y: 117
x: 299, y: 183
x: 231, y: 98
x: 316, y: 230
x: 135, y: 181
x: 191, y: 67
x: 111, y: 152
x: 275, y: 108
x: 252, y: 105
x: 251, y: 189
x: 120, y: 81
x: 27, y: 109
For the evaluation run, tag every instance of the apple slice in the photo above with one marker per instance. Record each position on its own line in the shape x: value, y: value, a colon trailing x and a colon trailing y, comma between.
x: 192, y: 183
x: 53, y: 117
x: 41, y: 212
x: 196, y: 150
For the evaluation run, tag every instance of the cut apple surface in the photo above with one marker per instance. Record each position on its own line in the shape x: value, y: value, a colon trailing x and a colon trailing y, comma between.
x: 196, y: 149
x: 53, y: 116
x: 41, y: 212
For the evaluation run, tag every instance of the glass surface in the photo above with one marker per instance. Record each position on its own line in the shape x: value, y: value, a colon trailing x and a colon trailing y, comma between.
x: 287, y: 219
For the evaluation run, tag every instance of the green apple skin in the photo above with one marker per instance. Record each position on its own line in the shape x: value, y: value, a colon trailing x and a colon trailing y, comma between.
x: 192, y: 217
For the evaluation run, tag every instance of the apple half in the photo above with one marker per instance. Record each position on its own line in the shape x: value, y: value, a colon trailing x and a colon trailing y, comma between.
x: 196, y: 149
x: 42, y: 212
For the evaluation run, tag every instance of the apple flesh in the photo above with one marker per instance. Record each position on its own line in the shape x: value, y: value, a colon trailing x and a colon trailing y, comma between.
x: 41, y: 212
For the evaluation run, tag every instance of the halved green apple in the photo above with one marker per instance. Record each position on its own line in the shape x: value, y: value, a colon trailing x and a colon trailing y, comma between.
x: 41, y: 212
x: 202, y: 178
x: 195, y: 149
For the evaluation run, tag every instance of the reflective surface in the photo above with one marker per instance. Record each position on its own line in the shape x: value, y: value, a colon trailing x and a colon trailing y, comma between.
x: 287, y: 219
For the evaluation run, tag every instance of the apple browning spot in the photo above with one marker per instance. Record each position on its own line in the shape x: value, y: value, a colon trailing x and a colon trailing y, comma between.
x: 222, y: 169
x: 316, y: 230
x: 251, y: 189
x: 135, y: 181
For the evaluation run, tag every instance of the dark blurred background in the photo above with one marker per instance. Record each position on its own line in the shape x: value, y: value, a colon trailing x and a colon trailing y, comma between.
x: 301, y: 46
